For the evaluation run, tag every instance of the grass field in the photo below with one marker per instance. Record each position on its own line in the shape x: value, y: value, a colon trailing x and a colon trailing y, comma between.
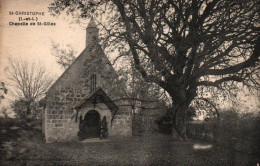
x: 26, y: 147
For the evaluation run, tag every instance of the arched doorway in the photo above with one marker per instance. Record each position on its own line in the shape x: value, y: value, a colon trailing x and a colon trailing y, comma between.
x: 90, y: 126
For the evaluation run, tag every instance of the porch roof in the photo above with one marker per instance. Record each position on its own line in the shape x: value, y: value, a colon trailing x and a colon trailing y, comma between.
x: 97, y: 96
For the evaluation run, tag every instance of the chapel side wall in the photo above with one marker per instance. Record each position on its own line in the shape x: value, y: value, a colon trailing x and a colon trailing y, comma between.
x: 60, y: 124
x: 122, y: 123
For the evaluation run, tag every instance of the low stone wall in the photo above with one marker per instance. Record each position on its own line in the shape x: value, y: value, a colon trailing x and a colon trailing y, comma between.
x: 203, y: 131
x: 122, y: 123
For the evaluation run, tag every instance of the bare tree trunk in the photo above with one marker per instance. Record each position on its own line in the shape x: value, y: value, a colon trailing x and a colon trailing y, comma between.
x: 28, y: 110
x: 217, y: 132
x: 184, y: 123
x: 177, y: 128
x: 179, y: 125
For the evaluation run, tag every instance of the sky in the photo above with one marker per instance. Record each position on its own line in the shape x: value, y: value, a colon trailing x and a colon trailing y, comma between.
x: 33, y: 43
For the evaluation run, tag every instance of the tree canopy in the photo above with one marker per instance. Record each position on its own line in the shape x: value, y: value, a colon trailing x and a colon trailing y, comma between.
x: 180, y: 45
x: 64, y: 56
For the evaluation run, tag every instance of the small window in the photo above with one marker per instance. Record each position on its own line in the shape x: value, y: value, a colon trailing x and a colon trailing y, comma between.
x: 93, y: 85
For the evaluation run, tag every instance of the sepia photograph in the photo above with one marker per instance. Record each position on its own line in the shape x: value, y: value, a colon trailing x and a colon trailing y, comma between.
x: 129, y: 82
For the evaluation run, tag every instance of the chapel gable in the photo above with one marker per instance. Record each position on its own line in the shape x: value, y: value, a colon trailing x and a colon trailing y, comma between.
x: 92, y: 81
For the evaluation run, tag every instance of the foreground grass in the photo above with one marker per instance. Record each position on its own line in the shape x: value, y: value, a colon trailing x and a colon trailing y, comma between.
x: 26, y: 147
x: 155, y: 150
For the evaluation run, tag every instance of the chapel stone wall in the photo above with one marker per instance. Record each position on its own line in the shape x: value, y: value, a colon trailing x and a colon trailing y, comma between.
x: 73, y: 86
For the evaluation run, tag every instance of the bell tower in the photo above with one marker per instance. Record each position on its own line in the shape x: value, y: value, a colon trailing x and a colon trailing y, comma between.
x: 91, y: 33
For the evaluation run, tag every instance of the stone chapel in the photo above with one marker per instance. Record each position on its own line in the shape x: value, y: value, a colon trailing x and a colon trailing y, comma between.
x: 87, y: 93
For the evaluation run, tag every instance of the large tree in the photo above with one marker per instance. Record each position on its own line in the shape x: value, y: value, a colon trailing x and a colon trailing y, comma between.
x: 180, y: 45
x: 29, y: 81
x: 64, y: 56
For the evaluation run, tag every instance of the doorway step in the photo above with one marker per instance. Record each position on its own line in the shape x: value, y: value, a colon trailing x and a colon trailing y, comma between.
x: 89, y: 140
